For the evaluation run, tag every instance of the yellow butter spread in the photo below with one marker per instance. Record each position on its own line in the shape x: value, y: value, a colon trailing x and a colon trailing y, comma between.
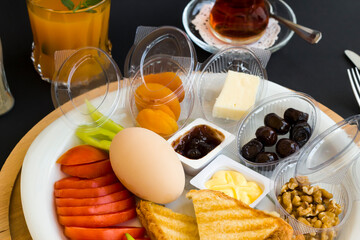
x: 234, y: 185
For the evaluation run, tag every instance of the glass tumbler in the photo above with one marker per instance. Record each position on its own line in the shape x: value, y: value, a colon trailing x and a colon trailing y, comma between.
x: 239, y: 21
x: 6, y: 99
x: 58, y: 31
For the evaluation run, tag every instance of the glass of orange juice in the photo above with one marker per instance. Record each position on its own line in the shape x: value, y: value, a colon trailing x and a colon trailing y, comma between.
x: 60, y: 27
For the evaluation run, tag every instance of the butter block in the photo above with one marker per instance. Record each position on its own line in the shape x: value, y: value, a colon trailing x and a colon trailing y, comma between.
x: 237, y: 95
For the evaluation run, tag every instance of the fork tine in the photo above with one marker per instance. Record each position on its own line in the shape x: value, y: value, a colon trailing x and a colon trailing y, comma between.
x: 354, y: 81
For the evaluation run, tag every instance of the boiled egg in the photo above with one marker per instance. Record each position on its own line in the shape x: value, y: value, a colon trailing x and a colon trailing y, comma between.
x: 147, y: 165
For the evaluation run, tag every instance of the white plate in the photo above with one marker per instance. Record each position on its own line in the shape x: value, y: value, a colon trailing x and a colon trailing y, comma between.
x: 40, y: 172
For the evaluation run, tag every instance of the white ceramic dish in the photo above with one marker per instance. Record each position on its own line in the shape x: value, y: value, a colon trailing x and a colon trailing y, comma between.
x: 223, y: 162
x: 192, y: 166
x: 40, y: 172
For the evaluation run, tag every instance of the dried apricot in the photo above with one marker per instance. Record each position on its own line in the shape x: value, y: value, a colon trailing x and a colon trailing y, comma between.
x: 157, y: 121
x: 165, y: 109
x: 170, y: 80
x: 153, y: 95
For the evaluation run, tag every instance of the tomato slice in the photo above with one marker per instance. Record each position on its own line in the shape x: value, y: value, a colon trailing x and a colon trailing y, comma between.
x: 88, y: 192
x: 94, y: 221
x: 112, y: 233
x: 97, y: 209
x: 90, y: 170
x: 76, y: 182
x: 77, y: 202
x: 82, y: 154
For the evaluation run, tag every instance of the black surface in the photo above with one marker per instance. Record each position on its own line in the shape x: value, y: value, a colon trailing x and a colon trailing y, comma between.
x: 319, y: 70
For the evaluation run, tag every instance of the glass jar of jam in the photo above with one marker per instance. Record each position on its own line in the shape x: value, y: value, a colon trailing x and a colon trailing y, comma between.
x: 239, y: 21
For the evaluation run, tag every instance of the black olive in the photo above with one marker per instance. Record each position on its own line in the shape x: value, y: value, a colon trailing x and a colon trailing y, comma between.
x: 266, y: 135
x: 251, y: 149
x: 265, y: 157
x: 285, y: 147
x: 277, y: 123
x: 193, y: 153
x: 293, y: 116
x: 300, y: 133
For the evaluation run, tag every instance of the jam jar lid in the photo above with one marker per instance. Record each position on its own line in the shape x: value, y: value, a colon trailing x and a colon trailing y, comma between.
x: 87, y: 76
x: 328, y: 157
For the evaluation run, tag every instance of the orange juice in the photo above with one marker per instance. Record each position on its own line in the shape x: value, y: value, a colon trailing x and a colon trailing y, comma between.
x: 57, y: 28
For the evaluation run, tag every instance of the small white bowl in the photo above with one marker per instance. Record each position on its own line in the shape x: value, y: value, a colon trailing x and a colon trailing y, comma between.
x: 223, y: 162
x: 193, y: 166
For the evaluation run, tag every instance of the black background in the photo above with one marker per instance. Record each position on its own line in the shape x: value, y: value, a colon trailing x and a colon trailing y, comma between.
x: 319, y: 70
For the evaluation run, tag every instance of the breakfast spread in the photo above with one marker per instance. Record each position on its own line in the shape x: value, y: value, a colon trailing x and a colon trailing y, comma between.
x: 222, y: 217
x: 234, y: 184
x: 312, y: 206
x: 294, y: 122
x: 237, y: 95
x: 198, y: 141
x: 118, y: 177
x: 147, y: 165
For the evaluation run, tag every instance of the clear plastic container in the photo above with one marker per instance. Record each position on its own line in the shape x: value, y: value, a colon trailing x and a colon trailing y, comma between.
x: 331, y: 161
x: 87, y: 75
x: 161, y: 69
x: 275, y: 104
x: 287, y: 170
x: 213, y: 75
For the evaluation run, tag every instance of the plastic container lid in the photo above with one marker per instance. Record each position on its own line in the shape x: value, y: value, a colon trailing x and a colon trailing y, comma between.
x: 75, y: 82
x: 328, y: 157
x: 164, y: 42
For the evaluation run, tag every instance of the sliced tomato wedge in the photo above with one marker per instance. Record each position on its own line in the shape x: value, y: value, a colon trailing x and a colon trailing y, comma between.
x: 76, y: 182
x: 94, y: 221
x: 112, y: 233
x: 77, y: 202
x: 90, y: 170
x: 97, y: 209
x: 82, y: 154
x: 88, y: 192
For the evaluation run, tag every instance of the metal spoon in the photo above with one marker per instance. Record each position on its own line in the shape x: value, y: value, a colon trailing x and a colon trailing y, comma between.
x: 310, y: 35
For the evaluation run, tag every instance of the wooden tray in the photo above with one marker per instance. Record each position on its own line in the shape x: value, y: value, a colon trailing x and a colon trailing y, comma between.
x: 12, y: 221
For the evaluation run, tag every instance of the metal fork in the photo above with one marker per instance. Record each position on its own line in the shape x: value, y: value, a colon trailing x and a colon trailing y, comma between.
x: 354, y: 77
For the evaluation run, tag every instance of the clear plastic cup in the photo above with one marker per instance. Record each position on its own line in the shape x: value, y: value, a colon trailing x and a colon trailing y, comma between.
x: 161, y: 70
x: 331, y: 161
x: 275, y: 104
x: 213, y: 75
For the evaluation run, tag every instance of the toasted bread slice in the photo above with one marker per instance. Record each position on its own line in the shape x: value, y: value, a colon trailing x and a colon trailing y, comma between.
x: 222, y: 217
x: 162, y: 223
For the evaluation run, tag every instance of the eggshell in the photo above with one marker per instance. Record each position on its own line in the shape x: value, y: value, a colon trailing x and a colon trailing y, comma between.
x: 147, y: 165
